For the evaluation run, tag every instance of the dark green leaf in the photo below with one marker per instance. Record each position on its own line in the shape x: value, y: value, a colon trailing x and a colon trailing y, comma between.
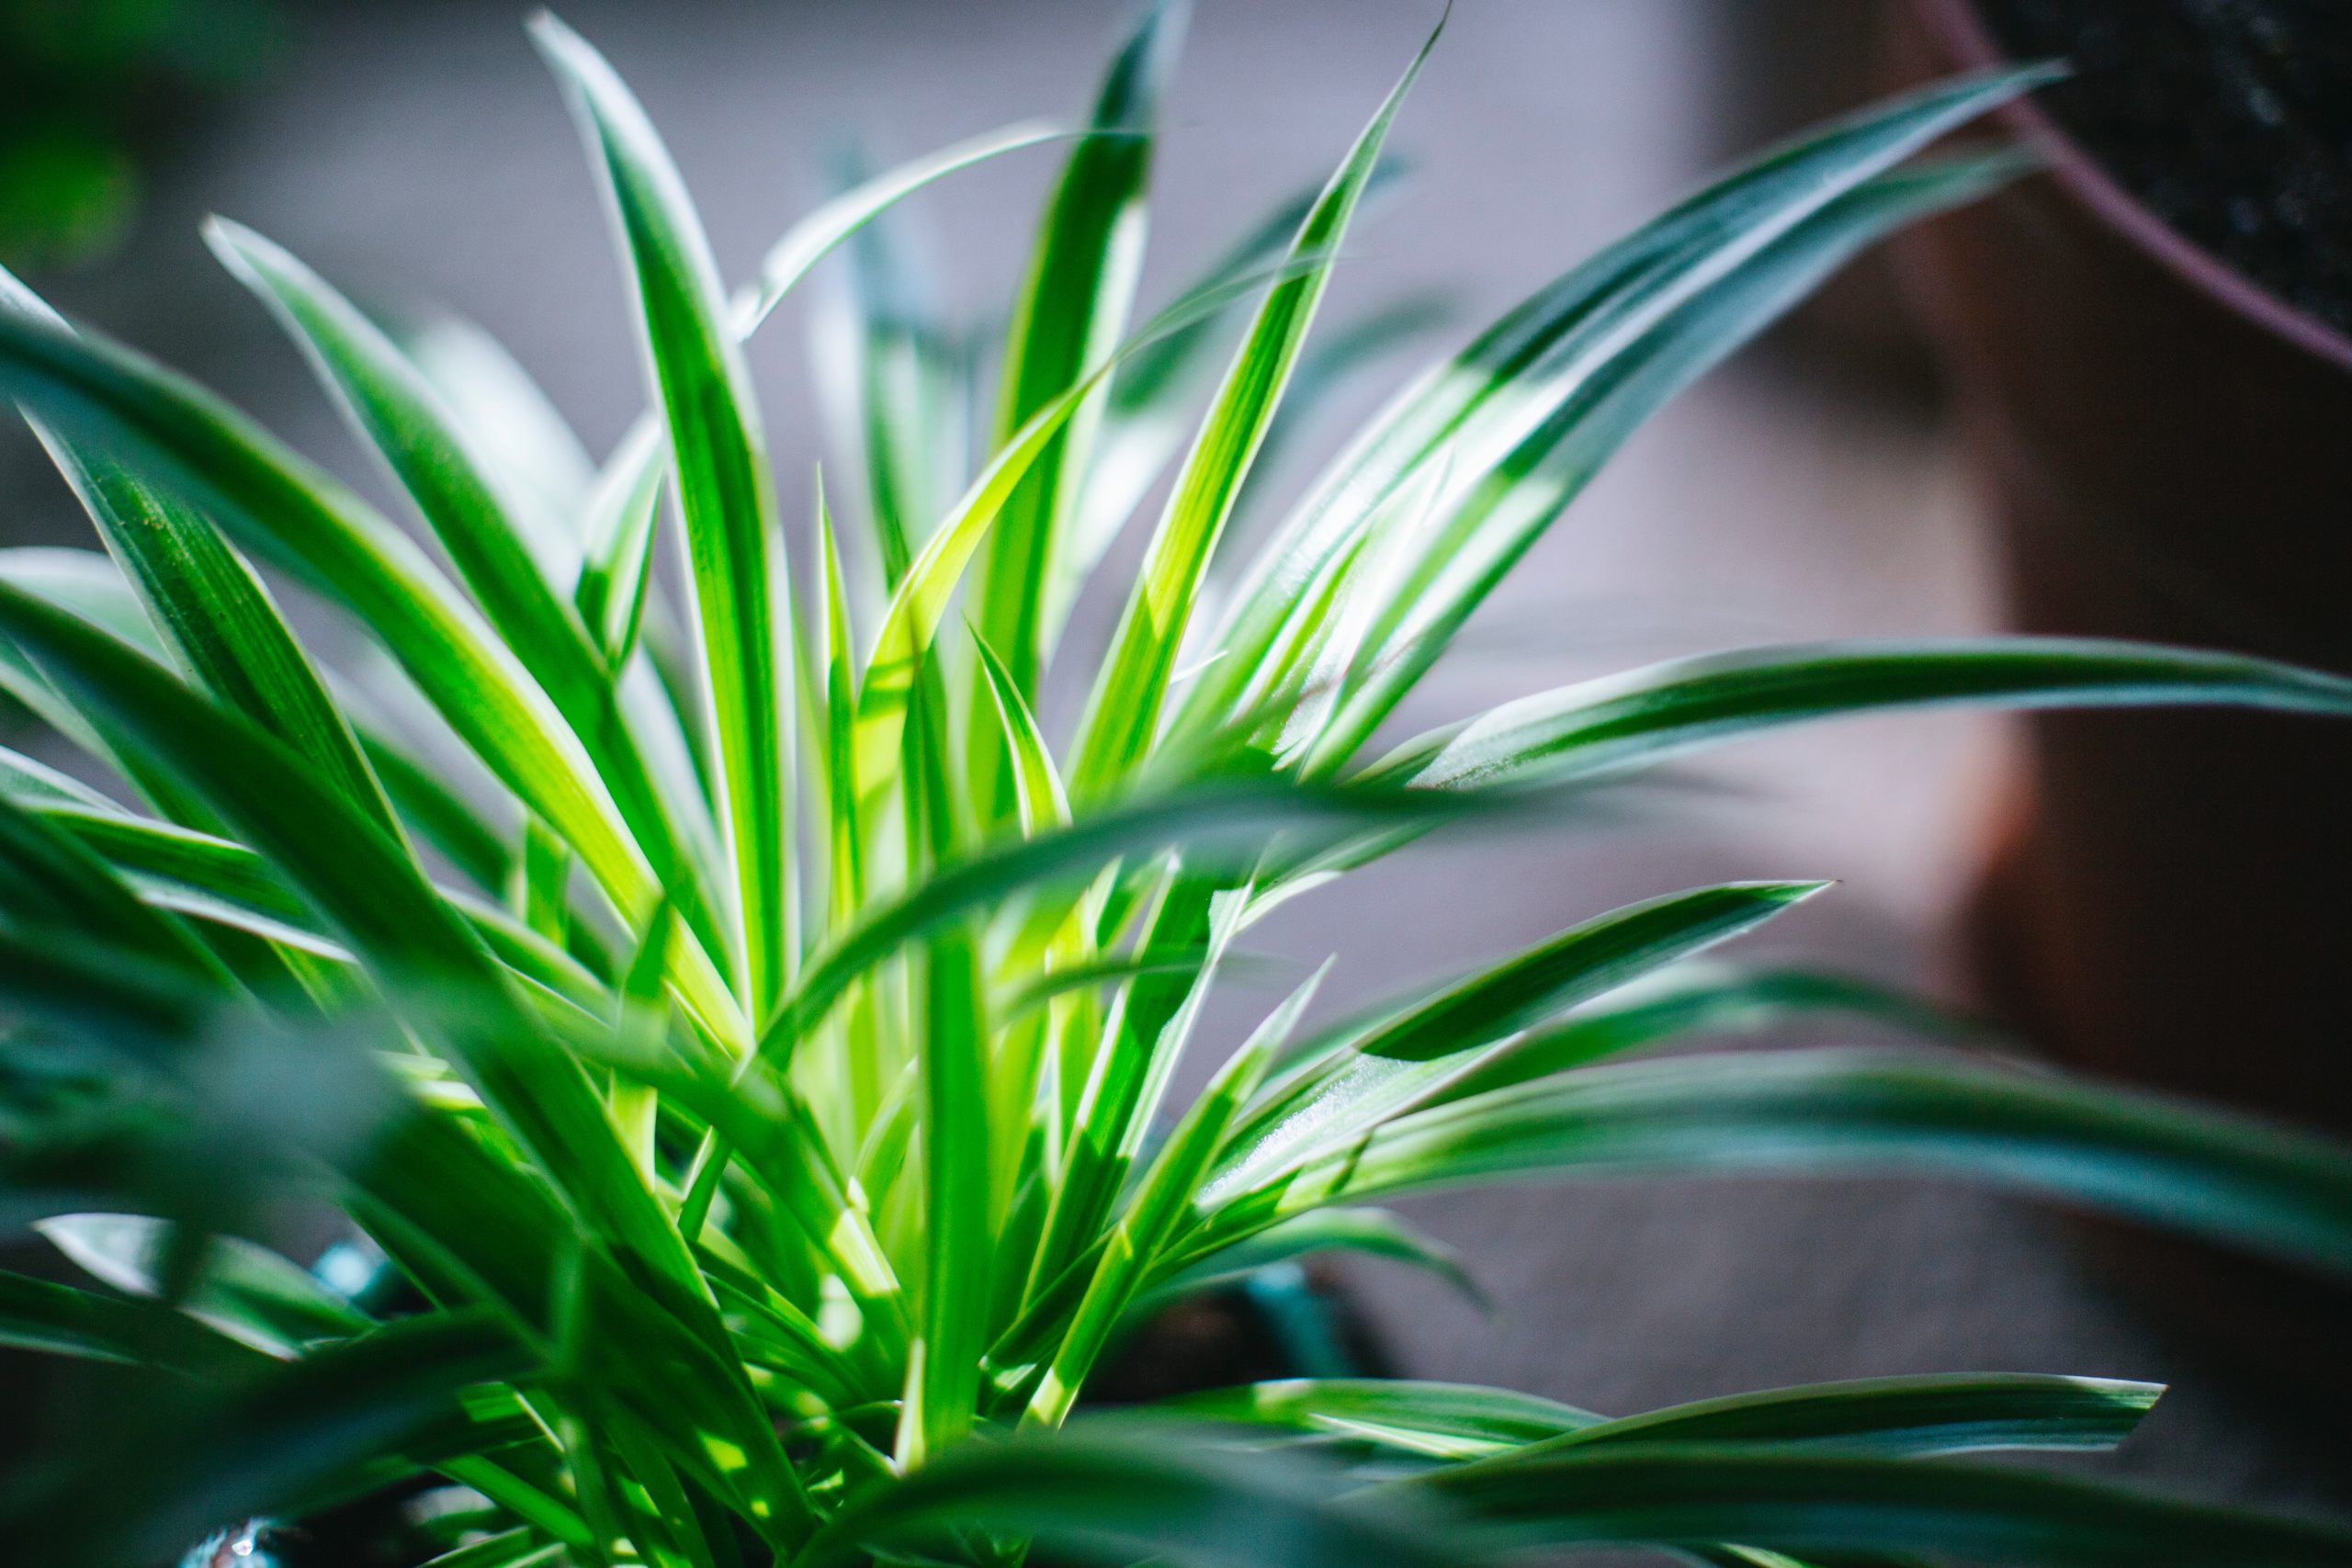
x: 1697, y: 1495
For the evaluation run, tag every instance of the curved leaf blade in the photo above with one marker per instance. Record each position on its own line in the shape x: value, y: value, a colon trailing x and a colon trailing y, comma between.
x: 1668, y: 710
x: 1700, y: 1494
x: 719, y: 456
x: 1070, y: 312
x: 1339, y: 1097
x: 1123, y: 708
x: 1096, y: 1496
x: 2228, y: 1176
x: 1515, y: 374
x: 307, y: 523
x: 205, y: 601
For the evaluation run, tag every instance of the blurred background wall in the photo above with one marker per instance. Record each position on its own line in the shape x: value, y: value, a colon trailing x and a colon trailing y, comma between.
x: 417, y: 151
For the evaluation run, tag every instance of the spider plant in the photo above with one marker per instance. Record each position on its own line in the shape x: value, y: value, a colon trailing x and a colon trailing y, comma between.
x: 743, y: 1035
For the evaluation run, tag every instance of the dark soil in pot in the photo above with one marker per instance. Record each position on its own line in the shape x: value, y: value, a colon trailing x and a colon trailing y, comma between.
x: 2230, y: 120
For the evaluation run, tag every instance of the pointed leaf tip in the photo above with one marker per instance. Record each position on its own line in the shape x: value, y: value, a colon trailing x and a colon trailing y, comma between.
x: 570, y: 55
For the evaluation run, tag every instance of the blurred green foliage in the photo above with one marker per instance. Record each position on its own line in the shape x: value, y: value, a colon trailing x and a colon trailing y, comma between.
x: 91, y: 93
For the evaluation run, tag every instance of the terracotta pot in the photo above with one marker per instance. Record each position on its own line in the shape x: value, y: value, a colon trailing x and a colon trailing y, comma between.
x: 2168, y: 455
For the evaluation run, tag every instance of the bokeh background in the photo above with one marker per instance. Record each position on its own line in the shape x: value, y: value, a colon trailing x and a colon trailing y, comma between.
x: 417, y: 153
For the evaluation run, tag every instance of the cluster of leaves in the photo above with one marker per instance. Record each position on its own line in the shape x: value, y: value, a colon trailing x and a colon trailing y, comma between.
x: 743, y: 1039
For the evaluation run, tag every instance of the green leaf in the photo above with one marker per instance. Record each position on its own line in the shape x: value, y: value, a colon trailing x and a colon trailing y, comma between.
x: 89, y: 584
x: 126, y: 1007
x: 97, y: 392
x: 478, y: 521
x: 1038, y: 797
x: 721, y: 458
x: 517, y: 1548
x: 1516, y: 374
x: 217, y: 880
x: 1236, y: 817
x: 471, y: 1225
x: 635, y: 468
x: 2223, y: 1175
x: 398, y: 414
x: 245, y: 1291
x: 1102, y: 1496
x: 258, y: 1445
x: 36, y: 784
x: 1373, y: 1233
x: 1446, y: 1420
x: 1037, y: 1056
x: 1890, y: 1417
x: 1901, y: 1417
x: 439, y: 815
x: 1339, y: 1095
x: 541, y: 893
x: 92, y: 586
x: 210, y: 609
x: 1700, y: 1494
x: 383, y: 910
x: 50, y: 885
x: 845, y: 850
x: 616, y: 568
x: 1162, y: 1200
x: 1668, y: 710
x: 1073, y: 309
x: 809, y: 241
x: 902, y: 645
x: 540, y: 464
x: 1123, y: 711
x: 951, y: 1045
x: 1144, y: 1036
x: 1707, y: 999
x: 61, y: 1320
x: 1059, y: 982
x: 1504, y: 507
x: 898, y: 379
x: 1328, y: 366
x: 758, y: 1116
x: 1154, y: 396
x: 218, y: 619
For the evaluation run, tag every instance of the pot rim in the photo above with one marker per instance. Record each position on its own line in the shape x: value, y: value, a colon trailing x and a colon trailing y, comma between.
x: 1960, y: 29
